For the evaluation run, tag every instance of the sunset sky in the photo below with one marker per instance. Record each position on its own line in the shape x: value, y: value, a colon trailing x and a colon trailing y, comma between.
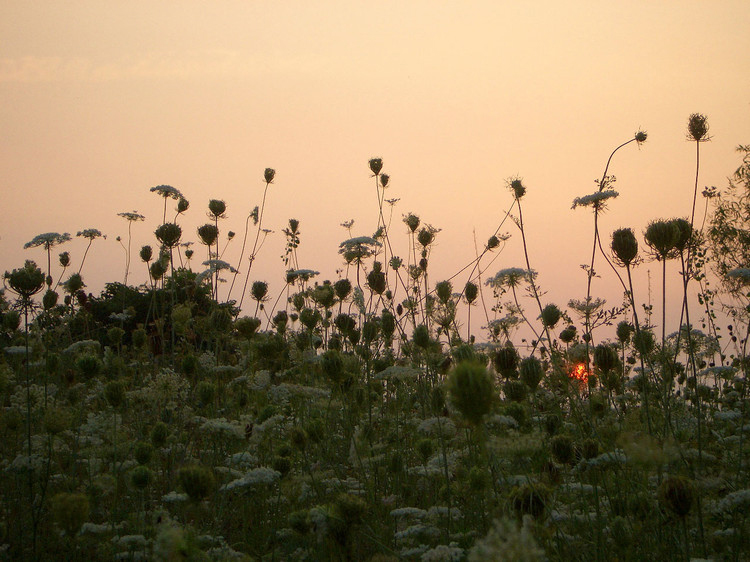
x: 102, y: 100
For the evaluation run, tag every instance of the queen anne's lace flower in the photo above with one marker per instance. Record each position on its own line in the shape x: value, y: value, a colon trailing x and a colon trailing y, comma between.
x: 595, y: 199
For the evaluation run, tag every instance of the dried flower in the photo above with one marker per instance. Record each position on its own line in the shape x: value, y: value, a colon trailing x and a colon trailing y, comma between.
x: 624, y: 246
x: 698, y: 128
x: 376, y: 164
x: 517, y: 187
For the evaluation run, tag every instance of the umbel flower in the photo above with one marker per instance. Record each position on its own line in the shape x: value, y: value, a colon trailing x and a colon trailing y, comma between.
x: 510, y: 277
x: 48, y: 239
x: 167, y: 191
x: 90, y: 233
x: 596, y: 199
x: 132, y: 216
x: 358, y: 249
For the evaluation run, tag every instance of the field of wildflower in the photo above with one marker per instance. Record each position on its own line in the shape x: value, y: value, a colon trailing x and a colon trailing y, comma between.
x: 381, y: 415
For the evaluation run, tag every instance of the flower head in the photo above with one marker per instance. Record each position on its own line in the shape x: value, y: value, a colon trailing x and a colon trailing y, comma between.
x: 640, y: 137
x: 624, y: 246
x: 510, y: 277
x: 48, y: 239
x: 167, y: 191
x: 595, y: 199
x: 132, y: 216
x: 517, y: 187
x: 376, y: 164
x: 698, y: 128
x: 269, y: 174
x: 90, y: 233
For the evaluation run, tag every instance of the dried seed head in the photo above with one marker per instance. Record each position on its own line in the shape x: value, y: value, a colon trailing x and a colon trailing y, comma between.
x: 147, y: 253
x: 698, y: 127
x: 376, y: 164
x: 269, y: 174
x: 661, y: 236
x: 516, y: 185
x: 624, y: 246
x: 208, y: 233
x: 216, y: 208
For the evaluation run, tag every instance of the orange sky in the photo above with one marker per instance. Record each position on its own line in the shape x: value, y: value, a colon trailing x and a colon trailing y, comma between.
x: 102, y: 100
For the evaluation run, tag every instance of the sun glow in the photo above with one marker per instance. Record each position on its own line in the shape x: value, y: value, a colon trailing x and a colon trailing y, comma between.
x: 579, y: 372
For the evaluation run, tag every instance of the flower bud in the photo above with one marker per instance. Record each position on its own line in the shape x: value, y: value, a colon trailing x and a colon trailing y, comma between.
x: 269, y: 174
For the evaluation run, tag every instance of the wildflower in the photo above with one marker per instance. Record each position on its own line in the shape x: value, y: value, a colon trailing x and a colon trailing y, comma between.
x: 216, y: 208
x: 662, y: 237
x: 169, y: 234
x: 358, y: 249
x: 412, y: 221
x: 132, y: 216
x: 182, y: 205
x: 508, y: 541
x: 698, y: 128
x: 376, y: 164
x: 470, y: 389
x: 640, y: 137
x: 517, y: 187
x: 302, y: 274
x: 48, y: 239
x: 510, y: 277
x: 208, y: 233
x: 624, y: 246
x: 595, y: 199
x: 146, y: 253
x: 218, y: 265
x: 167, y: 191
x: 90, y: 233
x: 26, y: 281
x: 443, y: 553
x: 269, y: 174
x: 586, y: 307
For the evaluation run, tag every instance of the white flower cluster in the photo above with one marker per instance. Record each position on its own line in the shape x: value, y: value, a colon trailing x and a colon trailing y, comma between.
x: 262, y: 475
x: 221, y: 428
x: 444, y: 553
x: 734, y: 502
x: 405, y: 512
x: 506, y: 541
x: 436, y: 425
x: 595, y: 199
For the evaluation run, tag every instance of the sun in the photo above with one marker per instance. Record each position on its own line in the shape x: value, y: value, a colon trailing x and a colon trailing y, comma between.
x: 579, y: 372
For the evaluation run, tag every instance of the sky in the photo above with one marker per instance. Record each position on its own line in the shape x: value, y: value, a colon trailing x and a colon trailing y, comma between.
x: 102, y: 100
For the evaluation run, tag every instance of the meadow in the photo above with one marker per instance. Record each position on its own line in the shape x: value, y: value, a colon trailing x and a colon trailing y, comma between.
x: 380, y: 415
